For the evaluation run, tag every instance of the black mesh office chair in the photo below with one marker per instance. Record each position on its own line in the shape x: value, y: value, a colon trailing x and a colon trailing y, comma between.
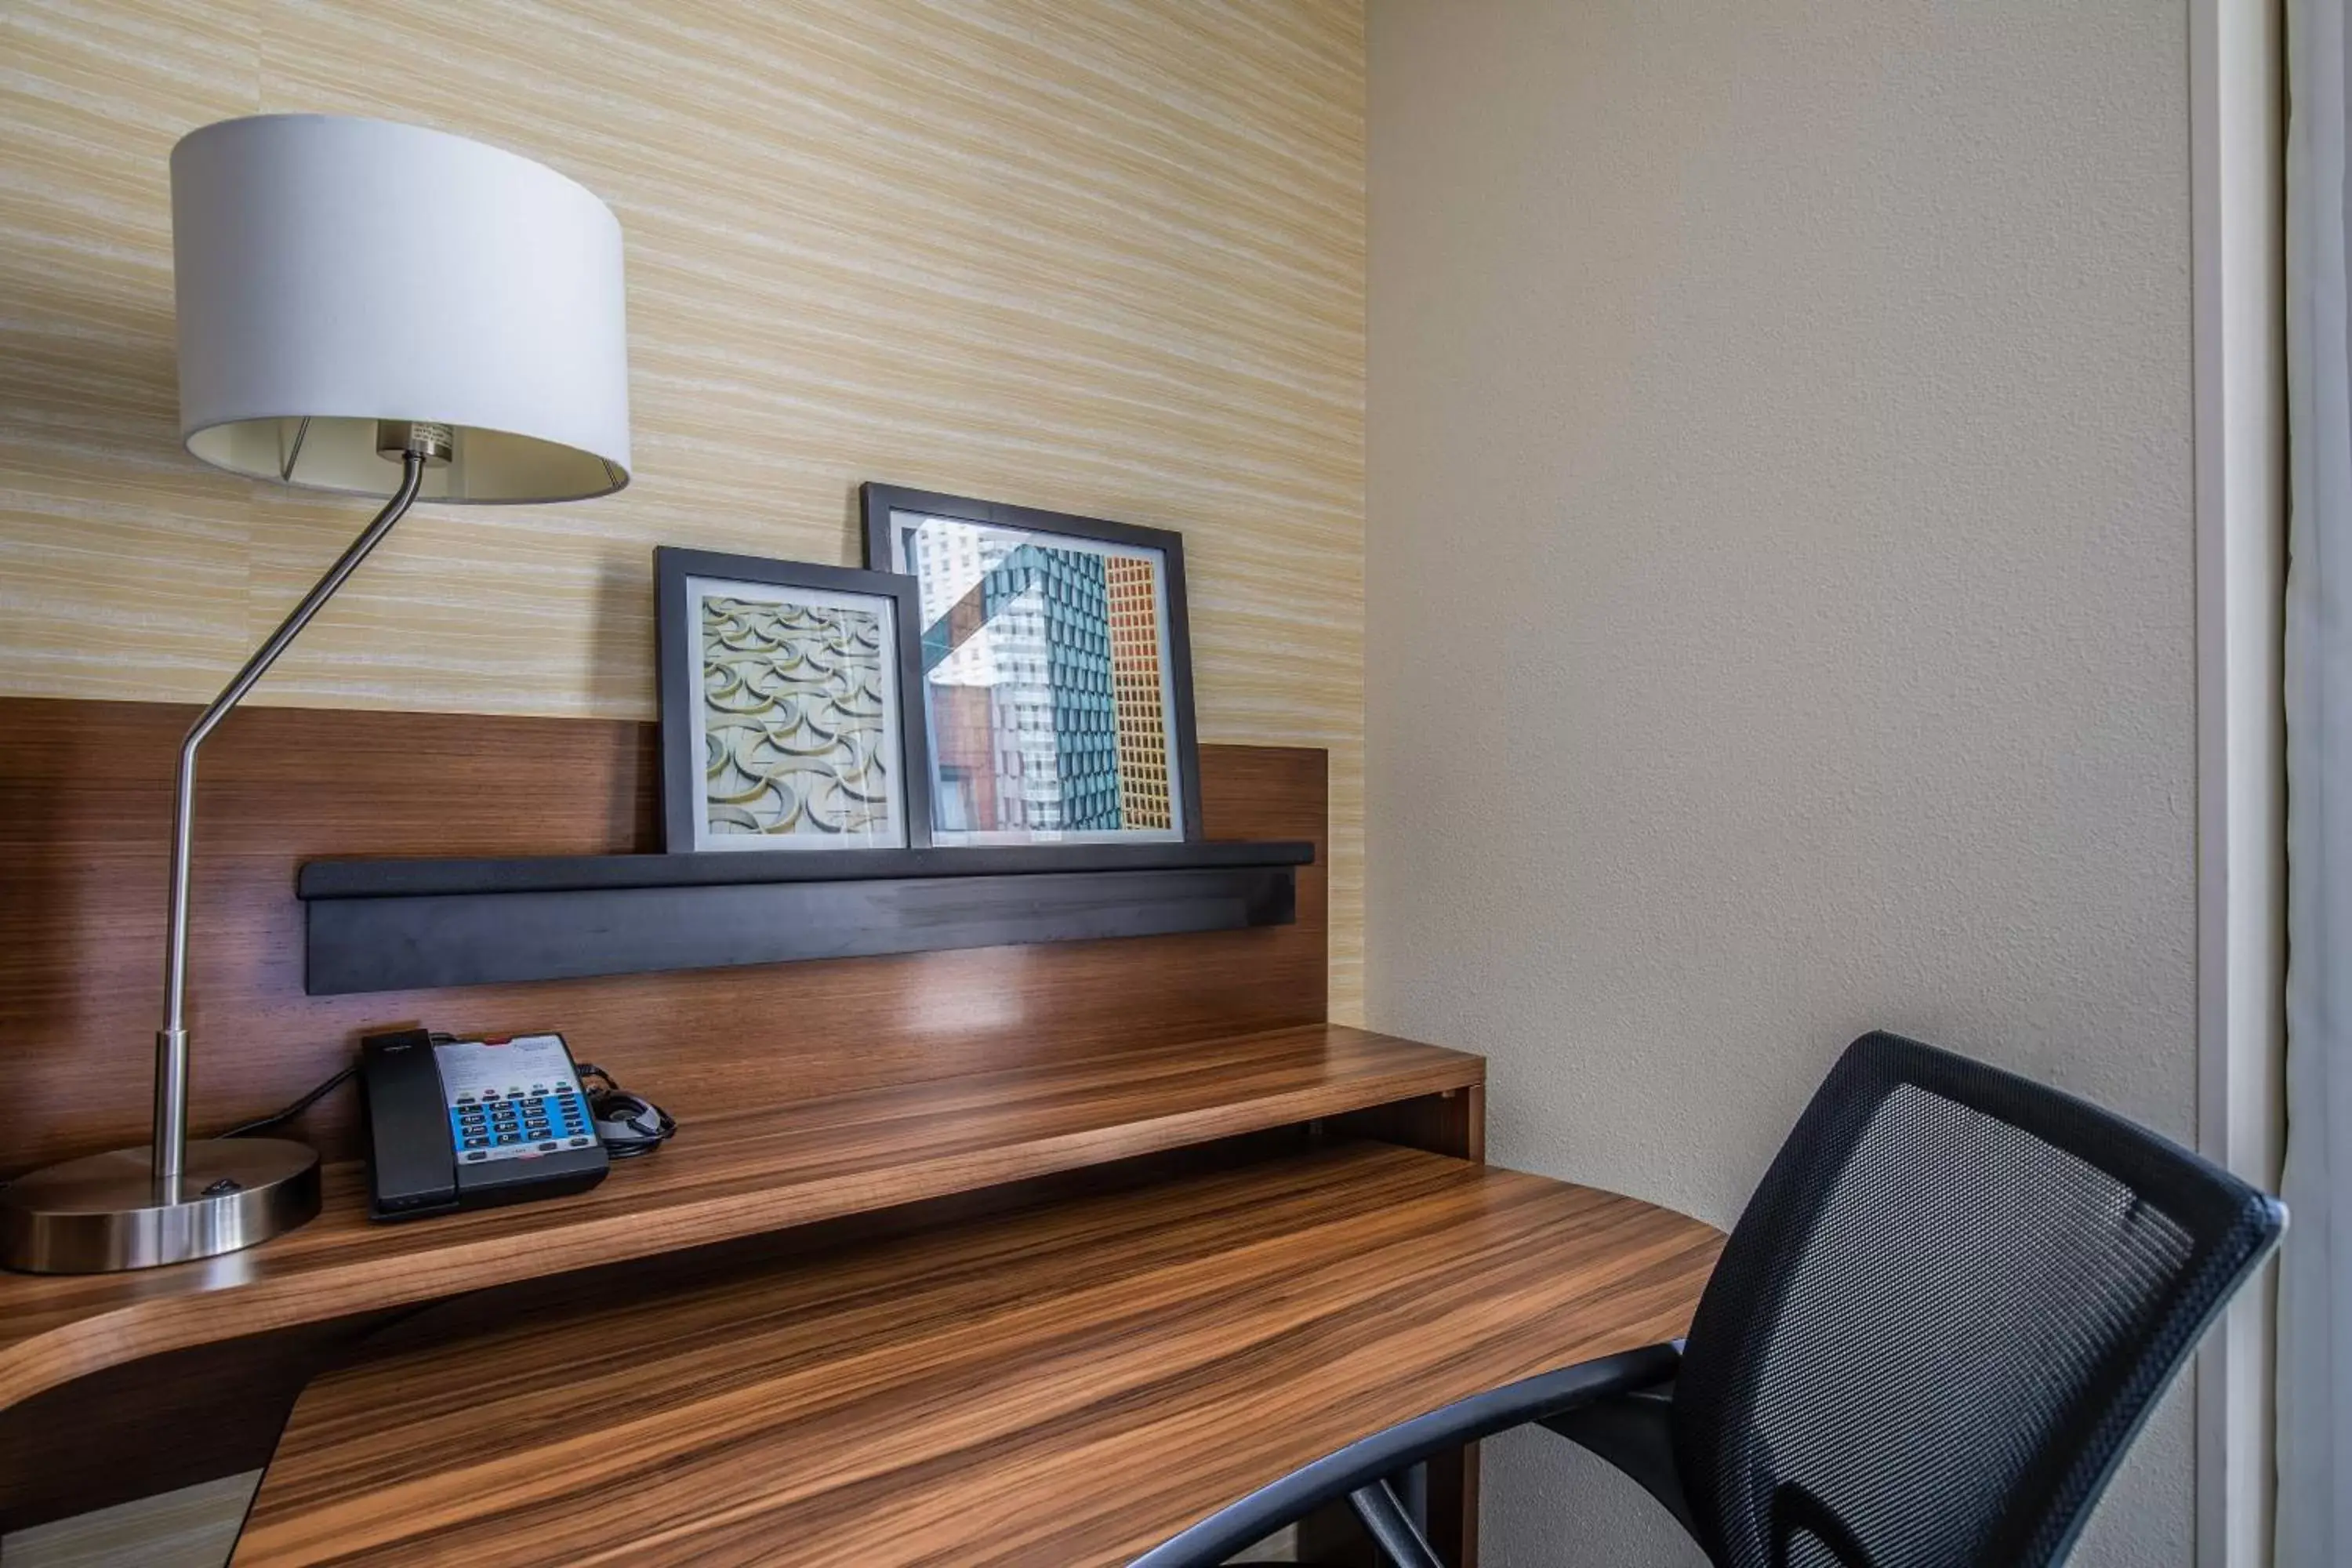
x: 1942, y: 1318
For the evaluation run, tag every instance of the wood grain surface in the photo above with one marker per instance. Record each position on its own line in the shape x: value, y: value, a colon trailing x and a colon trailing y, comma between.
x: 757, y: 1169
x: 1067, y: 1386
x: 85, y: 792
x: 1105, y: 258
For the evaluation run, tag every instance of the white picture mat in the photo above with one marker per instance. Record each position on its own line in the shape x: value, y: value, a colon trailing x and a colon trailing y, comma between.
x: 697, y: 590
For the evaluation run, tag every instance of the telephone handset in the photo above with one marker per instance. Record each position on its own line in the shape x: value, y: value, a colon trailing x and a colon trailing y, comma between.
x: 463, y: 1125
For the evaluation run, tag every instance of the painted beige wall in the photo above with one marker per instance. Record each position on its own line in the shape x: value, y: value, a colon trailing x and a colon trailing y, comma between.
x: 1104, y: 258
x: 1780, y: 575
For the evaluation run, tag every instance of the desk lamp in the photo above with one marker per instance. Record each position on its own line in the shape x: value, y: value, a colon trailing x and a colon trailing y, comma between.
x: 363, y: 308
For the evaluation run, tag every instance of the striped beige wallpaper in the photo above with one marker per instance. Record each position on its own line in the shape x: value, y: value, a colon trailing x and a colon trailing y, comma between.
x: 1106, y: 257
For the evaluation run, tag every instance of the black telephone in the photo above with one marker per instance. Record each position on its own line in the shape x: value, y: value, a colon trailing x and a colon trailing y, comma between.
x: 465, y: 1124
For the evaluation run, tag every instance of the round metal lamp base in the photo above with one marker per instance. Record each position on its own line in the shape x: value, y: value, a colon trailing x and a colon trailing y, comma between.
x: 105, y: 1213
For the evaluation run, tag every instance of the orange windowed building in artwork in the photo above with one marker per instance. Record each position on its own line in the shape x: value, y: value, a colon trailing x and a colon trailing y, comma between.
x: 1135, y: 701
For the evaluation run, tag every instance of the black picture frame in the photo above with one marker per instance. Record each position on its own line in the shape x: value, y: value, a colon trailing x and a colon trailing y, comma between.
x: 877, y: 501
x: 680, y: 670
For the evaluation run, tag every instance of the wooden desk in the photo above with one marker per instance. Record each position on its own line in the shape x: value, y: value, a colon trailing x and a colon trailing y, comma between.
x: 1067, y: 1385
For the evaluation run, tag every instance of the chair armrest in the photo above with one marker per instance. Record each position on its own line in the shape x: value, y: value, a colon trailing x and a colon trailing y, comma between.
x: 1310, y: 1487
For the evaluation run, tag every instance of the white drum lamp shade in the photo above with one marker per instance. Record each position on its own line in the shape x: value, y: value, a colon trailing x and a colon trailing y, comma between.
x: 335, y: 272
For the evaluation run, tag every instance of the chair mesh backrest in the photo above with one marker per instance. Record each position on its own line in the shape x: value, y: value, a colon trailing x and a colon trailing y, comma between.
x: 1943, y: 1316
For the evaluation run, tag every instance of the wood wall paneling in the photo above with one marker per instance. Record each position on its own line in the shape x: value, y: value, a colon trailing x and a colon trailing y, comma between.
x: 1106, y: 260
x: 84, y: 812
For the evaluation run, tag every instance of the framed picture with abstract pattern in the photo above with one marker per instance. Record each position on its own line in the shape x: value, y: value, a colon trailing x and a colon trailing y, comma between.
x: 786, y: 706
x: 1054, y: 669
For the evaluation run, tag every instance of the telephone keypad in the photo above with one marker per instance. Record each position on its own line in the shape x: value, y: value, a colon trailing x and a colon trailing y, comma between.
x: 539, y: 1111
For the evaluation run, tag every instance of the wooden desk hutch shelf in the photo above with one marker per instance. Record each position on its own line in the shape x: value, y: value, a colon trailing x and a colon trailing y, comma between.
x: 739, y: 1174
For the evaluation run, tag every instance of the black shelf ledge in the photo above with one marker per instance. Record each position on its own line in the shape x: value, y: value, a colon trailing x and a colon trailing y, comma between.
x: 394, y: 925
x: 572, y: 873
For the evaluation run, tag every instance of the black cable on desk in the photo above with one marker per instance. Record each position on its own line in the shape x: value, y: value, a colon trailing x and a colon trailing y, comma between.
x: 627, y: 1124
x: 279, y: 1119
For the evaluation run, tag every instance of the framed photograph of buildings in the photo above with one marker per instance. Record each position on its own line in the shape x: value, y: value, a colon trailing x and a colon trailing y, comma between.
x: 786, y: 716
x: 1055, y: 668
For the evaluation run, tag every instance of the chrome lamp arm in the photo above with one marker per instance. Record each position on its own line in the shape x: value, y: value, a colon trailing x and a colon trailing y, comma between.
x: 171, y: 1138
x: 176, y: 1199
